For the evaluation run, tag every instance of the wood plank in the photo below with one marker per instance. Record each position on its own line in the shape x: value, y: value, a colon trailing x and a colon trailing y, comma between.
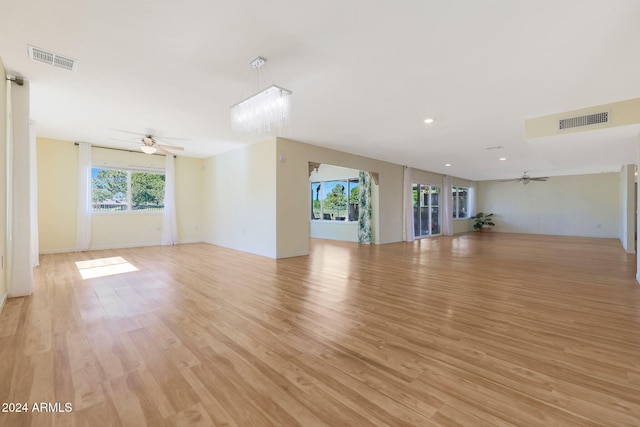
x: 473, y: 329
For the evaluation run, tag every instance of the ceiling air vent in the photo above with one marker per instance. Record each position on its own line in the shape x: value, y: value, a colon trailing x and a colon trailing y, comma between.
x: 590, y: 119
x: 51, y: 58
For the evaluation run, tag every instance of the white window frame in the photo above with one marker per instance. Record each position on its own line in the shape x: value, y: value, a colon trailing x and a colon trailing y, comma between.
x: 429, y: 206
x: 129, y: 170
x: 455, y: 195
x: 349, y: 181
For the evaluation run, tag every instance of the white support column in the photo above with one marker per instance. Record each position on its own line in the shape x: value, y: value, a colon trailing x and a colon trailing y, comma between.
x: 628, y: 208
x: 638, y: 212
x: 19, y: 267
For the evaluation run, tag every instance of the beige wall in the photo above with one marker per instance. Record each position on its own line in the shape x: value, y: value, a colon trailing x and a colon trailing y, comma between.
x: 57, y: 199
x: 431, y: 178
x: 57, y: 194
x: 256, y: 198
x: 3, y: 183
x: 293, y: 196
x: 240, y: 199
x: 580, y: 205
x: 189, y: 198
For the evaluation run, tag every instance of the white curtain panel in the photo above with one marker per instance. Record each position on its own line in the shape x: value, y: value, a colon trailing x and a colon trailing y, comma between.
x: 19, y: 241
x: 83, y: 223
x: 447, y: 206
x: 409, y: 232
x: 169, y: 222
x: 471, y: 199
x: 33, y: 168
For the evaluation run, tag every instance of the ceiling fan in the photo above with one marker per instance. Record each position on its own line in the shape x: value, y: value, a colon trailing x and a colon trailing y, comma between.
x: 150, y: 144
x: 525, y: 179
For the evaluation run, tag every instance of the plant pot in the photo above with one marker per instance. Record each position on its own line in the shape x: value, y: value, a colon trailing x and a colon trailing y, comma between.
x: 485, y: 229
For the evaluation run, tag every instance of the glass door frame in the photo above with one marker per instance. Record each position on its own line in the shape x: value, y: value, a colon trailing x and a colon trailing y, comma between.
x: 424, y: 200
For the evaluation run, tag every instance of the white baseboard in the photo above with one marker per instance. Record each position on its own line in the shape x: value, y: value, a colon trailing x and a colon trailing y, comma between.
x: 186, y: 242
x: 293, y: 254
x: 126, y: 246
x: 239, y: 249
x: 56, y: 251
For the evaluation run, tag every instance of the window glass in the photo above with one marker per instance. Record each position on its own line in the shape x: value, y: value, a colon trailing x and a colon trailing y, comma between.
x: 147, y: 191
x: 353, y: 199
x: 463, y: 208
x: 335, y: 200
x: 316, y: 204
x: 460, y: 203
x: 118, y: 190
x: 108, y: 190
x: 426, y: 210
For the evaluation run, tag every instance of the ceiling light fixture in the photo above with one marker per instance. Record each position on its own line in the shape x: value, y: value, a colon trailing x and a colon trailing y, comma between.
x: 503, y: 158
x: 149, y: 149
x: 429, y: 120
x: 149, y: 145
x: 448, y: 164
x: 266, y: 111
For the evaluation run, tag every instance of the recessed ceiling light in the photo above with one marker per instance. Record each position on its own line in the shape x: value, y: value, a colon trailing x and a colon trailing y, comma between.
x: 448, y: 164
x: 503, y: 158
x: 429, y: 120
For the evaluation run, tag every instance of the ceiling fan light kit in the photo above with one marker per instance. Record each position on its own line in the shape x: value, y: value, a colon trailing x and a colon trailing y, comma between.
x: 149, y: 143
x: 525, y: 179
x: 267, y: 111
x: 148, y: 149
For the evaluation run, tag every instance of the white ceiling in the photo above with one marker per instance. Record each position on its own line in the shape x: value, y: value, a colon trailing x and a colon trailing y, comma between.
x: 364, y: 75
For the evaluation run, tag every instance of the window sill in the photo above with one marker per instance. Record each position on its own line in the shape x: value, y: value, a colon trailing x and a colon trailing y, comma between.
x: 325, y: 221
x: 125, y: 213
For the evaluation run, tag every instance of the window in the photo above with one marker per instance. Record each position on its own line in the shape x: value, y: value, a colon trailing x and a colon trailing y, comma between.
x: 335, y: 200
x: 460, y: 202
x: 426, y: 210
x: 121, y: 190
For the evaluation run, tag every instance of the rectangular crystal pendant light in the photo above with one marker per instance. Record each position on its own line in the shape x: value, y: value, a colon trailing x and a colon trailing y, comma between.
x: 264, y: 112
x: 268, y: 111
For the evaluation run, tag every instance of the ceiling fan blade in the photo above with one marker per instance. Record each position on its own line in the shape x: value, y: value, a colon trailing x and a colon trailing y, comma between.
x: 130, y: 141
x: 541, y: 178
x: 160, y: 138
x: 511, y: 180
x: 170, y: 147
x: 162, y: 151
x: 128, y: 131
x: 163, y: 140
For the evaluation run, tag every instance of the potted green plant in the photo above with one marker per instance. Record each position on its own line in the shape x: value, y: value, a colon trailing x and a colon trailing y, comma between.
x: 483, y: 222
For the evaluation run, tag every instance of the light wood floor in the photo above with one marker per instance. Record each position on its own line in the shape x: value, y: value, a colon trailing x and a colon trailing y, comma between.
x: 474, y: 330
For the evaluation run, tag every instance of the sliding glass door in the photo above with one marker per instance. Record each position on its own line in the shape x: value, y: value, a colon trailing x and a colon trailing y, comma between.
x: 426, y: 210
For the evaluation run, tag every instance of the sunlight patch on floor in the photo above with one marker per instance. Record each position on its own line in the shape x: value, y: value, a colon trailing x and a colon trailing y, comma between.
x: 90, y: 269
